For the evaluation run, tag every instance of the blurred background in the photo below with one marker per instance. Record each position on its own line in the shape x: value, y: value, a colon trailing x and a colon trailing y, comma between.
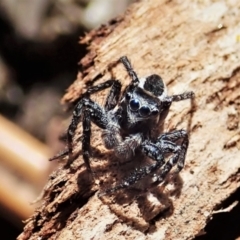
x: 39, y: 55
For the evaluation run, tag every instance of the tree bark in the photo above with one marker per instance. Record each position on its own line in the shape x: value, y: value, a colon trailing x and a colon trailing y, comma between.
x: 193, y: 45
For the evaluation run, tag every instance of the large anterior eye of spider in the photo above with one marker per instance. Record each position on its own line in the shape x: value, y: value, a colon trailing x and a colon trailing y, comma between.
x: 144, y: 111
x: 134, y: 104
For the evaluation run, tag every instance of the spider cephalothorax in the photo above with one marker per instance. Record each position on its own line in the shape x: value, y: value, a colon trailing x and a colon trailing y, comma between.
x: 128, y: 123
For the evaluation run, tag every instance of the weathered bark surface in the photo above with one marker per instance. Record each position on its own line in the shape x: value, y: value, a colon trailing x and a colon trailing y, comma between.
x: 193, y: 45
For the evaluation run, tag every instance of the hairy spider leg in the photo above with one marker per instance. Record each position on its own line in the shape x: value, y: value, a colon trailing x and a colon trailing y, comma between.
x: 165, y: 144
x: 109, y: 103
x: 182, y: 96
x: 90, y: 111
x: 95, y: 113
x: 135, y: 81
x: 167, y: 102
x: 153, y: 152
x: 173, y: 137
x: 86, y: 138
x: 99, y: 87
x: 178, y: 158
x: 60, y: 155
x: 113, y: 96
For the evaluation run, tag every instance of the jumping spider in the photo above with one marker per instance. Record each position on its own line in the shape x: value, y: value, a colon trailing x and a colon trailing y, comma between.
x: 128, y: 123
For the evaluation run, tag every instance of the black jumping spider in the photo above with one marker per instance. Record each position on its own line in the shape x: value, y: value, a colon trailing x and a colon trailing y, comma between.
x: 128, y: 123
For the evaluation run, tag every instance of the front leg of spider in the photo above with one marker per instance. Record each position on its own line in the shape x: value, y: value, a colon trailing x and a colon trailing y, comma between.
x: 126, y: 63
x: 89, y: 111
x: 86, y: 111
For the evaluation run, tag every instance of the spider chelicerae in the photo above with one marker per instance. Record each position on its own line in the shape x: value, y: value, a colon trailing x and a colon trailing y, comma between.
x: 128, y: 122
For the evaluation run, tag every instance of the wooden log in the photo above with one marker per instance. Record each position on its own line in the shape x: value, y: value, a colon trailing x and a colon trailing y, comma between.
x: 193, y: 45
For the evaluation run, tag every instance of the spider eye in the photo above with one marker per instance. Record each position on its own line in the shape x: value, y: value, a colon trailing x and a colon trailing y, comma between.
x: 144, y: 111
x: 155, y: 112
x: 134, y: 104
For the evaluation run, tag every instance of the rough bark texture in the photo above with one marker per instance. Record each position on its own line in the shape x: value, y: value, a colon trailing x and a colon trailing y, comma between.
x: 193, y: 46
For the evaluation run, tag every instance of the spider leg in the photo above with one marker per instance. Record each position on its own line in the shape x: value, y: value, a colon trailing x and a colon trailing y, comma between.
x: 135, y: 81
x: 167, y: 101
x: 94, y: 89
x: 182, y: 96
x: 90, y: 111
x: 60, y: 155
x: 95, y: 112
x: 166, y: 104
x: 86, y: 138
x: 113, y: 96
x: 166, y: 142
x: 149, y: 149
x: 100, y: 87
x: 174, y: 136
x: 78, y: 111
x: 84, y: 101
